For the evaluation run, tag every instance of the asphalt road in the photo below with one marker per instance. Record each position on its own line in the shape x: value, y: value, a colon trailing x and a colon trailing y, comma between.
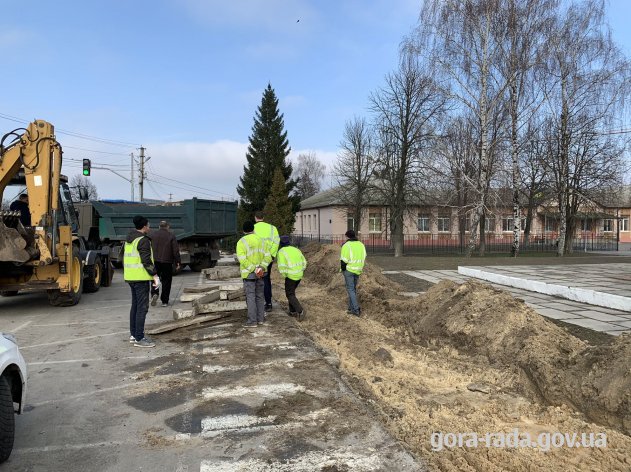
x: 212, y: 398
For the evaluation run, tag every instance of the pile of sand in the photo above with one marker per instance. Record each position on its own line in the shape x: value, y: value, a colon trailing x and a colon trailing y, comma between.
x: 470, y: 359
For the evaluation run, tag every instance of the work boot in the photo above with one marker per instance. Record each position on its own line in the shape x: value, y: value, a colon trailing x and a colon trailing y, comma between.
x: 268, y: 307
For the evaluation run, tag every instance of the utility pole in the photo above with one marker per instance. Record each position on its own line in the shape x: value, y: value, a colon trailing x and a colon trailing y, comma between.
x: 142, y: 172
x: 132, y: 176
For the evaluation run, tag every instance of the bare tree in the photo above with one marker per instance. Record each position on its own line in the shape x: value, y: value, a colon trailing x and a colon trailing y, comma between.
x: 406, y: 109
x: 462, y: 36
x: 80, y: 181
x: 354, y: 167
x: 309, y: 172
x: 522, y: 42
x: 586, y: 81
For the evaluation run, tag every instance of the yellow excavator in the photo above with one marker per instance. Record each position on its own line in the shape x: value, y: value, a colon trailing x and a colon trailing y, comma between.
x: 47, y: 254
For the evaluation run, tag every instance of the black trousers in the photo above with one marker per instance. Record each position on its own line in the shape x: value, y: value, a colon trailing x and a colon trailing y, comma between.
x: 165, y: 272
x: 290, y: 293
x: 267, y: 284
x: 139, y: 308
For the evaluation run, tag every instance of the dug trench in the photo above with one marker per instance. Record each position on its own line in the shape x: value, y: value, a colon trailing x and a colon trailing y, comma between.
x: 470, y: 359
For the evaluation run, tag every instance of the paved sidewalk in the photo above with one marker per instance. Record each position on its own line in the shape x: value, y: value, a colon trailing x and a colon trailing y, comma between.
x: 607, y: 320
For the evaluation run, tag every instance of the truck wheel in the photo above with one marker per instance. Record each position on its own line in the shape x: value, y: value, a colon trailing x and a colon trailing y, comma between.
x: 7, y: 420
x: 71, y: 298
x: 94, y: 276
x: 9, y: 293
x: 200, y: 264
x: 108, y: 274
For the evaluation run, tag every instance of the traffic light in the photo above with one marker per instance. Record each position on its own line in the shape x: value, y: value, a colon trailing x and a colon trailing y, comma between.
x: 86, y: 167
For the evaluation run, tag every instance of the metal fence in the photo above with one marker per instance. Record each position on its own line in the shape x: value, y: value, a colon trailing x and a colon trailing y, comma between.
x: 439, y: 244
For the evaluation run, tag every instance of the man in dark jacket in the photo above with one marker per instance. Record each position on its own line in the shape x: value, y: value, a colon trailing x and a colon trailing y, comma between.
x: 21, y: 205
x: 139, y: 271
x: 166, y: 253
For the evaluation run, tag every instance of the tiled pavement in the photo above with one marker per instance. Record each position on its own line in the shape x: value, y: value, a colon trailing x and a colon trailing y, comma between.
x: 594, y: 317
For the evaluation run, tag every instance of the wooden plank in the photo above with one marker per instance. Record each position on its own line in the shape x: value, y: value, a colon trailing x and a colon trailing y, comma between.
x: 222, y: 273
x: 199, y: 289
x: 219, y: 306
x: 231, y: 294
x: 205, y: 297
x: 179, y: 314
x: 173, y: 325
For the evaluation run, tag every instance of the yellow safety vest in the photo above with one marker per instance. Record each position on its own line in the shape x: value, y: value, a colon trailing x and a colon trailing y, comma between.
x: 354, y: 254
x: 291, y: 262
x: 269, y: 234
x: 133, y: 270
x: 251, y: 252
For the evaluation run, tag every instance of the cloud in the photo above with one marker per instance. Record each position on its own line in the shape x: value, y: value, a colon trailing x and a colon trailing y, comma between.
x: 181, y: 170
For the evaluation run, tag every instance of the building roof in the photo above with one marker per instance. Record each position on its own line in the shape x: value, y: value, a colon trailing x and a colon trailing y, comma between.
x: 323, y: 199
x: 614, y: 197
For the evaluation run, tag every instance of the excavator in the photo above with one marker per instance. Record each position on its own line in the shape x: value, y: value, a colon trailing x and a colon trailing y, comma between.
x: 49, y: 255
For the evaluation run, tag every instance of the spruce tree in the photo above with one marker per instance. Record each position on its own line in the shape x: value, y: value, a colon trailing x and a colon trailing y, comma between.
x: 278, y: 209
x: 268, y: 150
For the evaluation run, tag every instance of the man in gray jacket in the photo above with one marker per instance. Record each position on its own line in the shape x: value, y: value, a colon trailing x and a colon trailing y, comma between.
x: 166, y: 253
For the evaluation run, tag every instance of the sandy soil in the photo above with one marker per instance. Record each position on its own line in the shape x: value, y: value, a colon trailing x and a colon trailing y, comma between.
x: 470, y: 359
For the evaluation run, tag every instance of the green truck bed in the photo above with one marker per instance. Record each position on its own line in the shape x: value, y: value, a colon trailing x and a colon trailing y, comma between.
x: 190, y: 219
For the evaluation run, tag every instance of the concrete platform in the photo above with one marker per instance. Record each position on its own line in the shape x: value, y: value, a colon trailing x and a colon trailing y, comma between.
x: 604, y: 285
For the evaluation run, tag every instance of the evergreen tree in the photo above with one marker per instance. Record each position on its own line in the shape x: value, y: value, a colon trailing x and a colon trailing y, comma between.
x: 278, y: 209
x: 268, y: 150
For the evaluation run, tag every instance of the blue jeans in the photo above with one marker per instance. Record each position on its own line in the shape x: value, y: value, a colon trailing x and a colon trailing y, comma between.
x: 351, y: 288
x: 139, y: 308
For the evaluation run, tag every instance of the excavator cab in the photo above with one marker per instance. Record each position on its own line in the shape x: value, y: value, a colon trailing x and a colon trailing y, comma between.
x: 48, y: 255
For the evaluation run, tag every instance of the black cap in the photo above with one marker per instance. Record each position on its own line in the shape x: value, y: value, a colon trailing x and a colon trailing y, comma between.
x: 140, y: 221
x: 248, y: 227
x: 350, y: 234
x: 285, y: 241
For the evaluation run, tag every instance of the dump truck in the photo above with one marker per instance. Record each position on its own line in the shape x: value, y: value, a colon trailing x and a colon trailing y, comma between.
x: 47, y: 254
x: 199, y: 225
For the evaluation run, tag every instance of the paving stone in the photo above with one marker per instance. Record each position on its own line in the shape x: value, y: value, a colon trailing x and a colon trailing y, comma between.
x: 556, y: 314
x: 593, y: 324
x: 597, y: 315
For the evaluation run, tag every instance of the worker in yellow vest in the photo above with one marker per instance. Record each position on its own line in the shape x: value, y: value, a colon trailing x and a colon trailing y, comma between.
x: 269, y: 234
x: 352, y: 259
x: 139, y: 271
x: 291, y: 265
x: 254, y: 260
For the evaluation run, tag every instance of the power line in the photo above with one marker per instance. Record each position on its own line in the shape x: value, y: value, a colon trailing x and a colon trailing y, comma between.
x: 87, y: 137
x: 99, y: 152
x: 191, y: 185
x: 190, y: 190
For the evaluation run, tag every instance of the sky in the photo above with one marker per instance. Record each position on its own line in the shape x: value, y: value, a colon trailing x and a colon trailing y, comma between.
x: 183, y: 79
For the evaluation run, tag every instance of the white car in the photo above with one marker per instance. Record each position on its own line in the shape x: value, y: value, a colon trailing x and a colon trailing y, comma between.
x: 12, y: 391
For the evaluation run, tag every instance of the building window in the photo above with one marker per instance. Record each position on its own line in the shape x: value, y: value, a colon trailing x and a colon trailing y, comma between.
x: 624, y: 223
x: 309, y: 220
x: 551, y: 225
x: 489, y: 224
x: 608, y: 225
x: 507, y: 224
x: 444, y: 223
x: 374, y: 222
x: 423, y: 223
x: 350, y: 222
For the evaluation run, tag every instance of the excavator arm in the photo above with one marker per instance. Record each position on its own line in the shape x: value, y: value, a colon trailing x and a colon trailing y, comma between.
x: 41, y: 255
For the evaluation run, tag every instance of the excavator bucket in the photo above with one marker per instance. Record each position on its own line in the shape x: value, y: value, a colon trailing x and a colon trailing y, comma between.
x: 12, y: 244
